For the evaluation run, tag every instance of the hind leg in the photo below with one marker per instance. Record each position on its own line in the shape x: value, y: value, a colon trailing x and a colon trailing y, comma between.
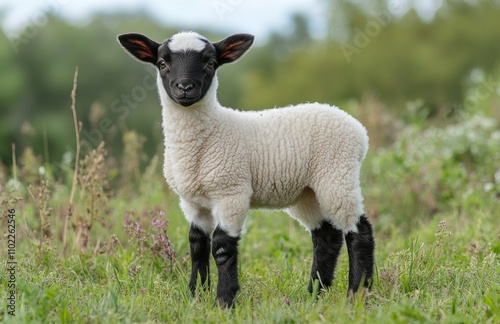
x: 340, y: 198
x: 360, y: 247
x: 359, y: 240
x: 327, y: 240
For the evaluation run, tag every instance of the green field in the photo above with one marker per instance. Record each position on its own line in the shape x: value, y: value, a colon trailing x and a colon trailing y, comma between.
x: 91, y: 233
x: 122, y: 254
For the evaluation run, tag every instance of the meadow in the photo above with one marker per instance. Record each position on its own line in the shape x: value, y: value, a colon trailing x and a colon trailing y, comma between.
x: 101, y: 239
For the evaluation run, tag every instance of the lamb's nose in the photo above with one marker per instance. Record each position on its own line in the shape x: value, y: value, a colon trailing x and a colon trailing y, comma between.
x: 184, y: 85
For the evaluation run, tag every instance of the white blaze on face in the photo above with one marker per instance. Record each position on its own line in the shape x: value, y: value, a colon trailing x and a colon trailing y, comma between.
x: 186, y: 41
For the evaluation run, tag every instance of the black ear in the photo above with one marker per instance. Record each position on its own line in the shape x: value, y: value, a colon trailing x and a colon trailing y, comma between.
x: 140, y: 46
x: 232, y: 47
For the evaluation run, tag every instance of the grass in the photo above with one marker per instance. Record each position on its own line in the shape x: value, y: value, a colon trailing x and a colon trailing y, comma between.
x: 108, y: 242
x: 437, y: 273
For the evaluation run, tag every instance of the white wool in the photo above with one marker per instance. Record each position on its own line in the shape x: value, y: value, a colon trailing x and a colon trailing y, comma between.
x: 222, y: 162
x: 187, y: 41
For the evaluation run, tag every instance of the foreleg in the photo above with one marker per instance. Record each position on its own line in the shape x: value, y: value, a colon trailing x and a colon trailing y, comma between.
x: 199, y: 243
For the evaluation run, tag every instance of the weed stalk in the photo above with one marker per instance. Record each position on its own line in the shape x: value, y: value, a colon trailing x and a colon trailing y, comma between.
x: 77, y: 126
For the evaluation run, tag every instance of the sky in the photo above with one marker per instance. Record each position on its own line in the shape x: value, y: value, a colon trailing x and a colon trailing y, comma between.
x: 258, y: 17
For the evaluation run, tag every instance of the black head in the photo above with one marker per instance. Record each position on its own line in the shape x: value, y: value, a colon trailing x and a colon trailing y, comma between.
x: 187, y: 61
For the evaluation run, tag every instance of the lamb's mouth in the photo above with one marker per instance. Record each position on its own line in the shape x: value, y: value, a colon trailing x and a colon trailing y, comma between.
x: 186, y: 101
x: 185, y: 95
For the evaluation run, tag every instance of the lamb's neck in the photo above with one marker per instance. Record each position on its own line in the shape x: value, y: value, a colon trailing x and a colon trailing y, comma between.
x: 188, y: 124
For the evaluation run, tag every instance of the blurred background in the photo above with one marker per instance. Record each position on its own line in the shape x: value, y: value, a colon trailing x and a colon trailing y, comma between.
x: 423, y: 76
x: 390, y: 63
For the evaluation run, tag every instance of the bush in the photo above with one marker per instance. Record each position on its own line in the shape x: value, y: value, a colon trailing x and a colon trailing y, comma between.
x: 435, y: 169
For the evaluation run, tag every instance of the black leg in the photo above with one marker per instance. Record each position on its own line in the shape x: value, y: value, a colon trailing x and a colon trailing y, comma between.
x: 361, y: 247
x: 225, y: 252
x: 327, y: 242
x: 199, y: 243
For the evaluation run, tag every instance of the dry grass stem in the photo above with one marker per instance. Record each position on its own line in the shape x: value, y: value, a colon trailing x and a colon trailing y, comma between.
x: 77, y: 155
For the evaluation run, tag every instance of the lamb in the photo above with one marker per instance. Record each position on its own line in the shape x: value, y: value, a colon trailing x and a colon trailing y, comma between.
x: 222, y: 162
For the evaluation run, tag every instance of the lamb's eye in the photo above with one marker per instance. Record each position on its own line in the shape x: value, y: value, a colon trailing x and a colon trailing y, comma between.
x: 211, y: 64
x: 162, y: 65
